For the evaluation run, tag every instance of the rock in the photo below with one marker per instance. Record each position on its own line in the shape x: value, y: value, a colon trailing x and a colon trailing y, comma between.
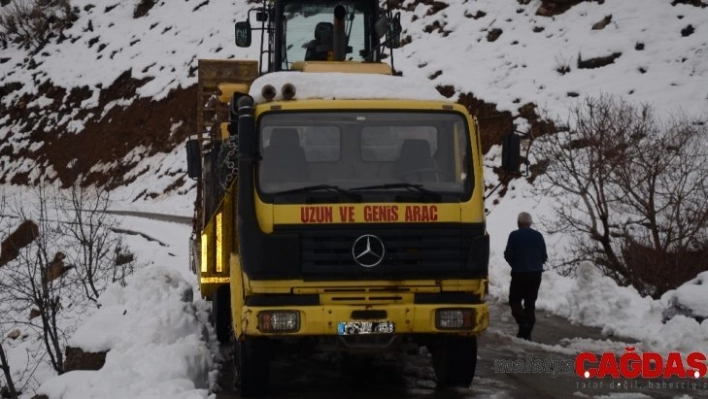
x: 77, y: 359
x: 14, y: 334
x: 187, y: 295
x: 10, y: 248
x: 688, y: 31
x: 34, y: 313
x: 597, y: 62
x: 603, y: 23
x: 549, y: 8
x: 56, y: 268
x: 494, y: 34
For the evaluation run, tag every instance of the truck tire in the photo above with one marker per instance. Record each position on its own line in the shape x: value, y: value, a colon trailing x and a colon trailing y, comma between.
x: 455, y: 360
x: 221, y: 313
x: 252, y: 366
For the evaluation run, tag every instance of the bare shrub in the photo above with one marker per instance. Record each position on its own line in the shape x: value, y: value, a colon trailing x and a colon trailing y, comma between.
x: 73, y: 253
x: 88, y: 231
x: 33, y: 284
x: 664, y: 186
x: 7, y: 371
x: 9, y: 385
x: 31, y: 23
x: 562, y: 65
x: 630, y: 192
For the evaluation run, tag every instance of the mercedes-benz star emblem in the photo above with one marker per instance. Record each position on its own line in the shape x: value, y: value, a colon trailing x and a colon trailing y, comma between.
x: 368, y: 250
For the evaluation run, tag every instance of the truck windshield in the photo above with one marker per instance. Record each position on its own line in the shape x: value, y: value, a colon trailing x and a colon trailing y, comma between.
x: 308, y: 32
x: 365, y: 151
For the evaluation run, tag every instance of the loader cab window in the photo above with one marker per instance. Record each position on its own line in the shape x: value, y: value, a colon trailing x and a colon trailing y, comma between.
x: 308, y: 30
x: 356, y: 150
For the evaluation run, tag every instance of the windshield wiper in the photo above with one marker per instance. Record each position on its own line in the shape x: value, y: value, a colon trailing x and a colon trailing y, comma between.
x: 319, y: 187
x: 418, y: 188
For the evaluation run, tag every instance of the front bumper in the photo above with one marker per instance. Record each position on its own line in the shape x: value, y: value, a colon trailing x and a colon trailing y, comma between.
x: 323, y: 320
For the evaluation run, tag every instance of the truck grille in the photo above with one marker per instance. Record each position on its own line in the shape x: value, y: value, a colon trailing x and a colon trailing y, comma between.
x: 409, y: 249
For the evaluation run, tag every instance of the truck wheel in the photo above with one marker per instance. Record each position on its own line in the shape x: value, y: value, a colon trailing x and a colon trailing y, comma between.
x: 455, y: 360
x: 252, y: 365
x: 221, y: 313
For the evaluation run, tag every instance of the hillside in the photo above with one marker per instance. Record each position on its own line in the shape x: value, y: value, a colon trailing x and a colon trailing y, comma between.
x: 112, y: 98
x: 117, y: 87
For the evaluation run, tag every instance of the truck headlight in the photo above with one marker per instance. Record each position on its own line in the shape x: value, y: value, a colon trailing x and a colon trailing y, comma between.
x: 454, y: 319
x: 278, y: 321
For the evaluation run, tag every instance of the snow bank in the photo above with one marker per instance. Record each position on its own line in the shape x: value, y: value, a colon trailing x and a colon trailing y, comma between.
x: 693, y: 296
x: 595, y: 300
x: 334, y: 85
x: 155, y: 340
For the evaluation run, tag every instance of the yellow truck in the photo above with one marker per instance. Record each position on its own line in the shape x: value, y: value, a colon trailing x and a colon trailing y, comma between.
x: 338, y: 203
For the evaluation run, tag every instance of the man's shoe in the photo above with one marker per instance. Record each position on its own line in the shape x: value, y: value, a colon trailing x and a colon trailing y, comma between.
x: 526, y: 333
x: 523, y: 331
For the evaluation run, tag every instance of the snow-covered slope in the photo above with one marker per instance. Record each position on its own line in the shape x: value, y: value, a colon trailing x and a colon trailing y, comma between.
x: 502, y: 52
x: 656, y: 64
x: 116, y: 98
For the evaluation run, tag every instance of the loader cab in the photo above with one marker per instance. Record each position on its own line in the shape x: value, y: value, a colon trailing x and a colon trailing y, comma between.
x: 294, y: 32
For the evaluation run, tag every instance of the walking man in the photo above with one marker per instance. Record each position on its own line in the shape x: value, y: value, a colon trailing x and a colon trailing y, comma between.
x: 526, y: 253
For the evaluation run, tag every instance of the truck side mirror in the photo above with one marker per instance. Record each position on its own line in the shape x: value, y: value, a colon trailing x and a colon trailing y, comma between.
x: 194, y: 159
x: 382, y: 26
x: 243, y: 34
x: 511, y: 152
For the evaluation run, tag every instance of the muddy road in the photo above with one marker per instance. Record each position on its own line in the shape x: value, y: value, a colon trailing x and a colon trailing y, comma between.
x: 411, y: 376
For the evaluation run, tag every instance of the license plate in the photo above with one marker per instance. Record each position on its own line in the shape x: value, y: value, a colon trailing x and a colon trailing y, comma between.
x: 365, y: 327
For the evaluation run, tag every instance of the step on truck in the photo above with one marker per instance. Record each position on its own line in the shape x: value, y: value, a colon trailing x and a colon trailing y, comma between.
x: 338, y: 204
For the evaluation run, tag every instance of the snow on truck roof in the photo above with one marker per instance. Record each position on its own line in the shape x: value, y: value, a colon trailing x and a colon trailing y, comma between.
x: 346, y: 86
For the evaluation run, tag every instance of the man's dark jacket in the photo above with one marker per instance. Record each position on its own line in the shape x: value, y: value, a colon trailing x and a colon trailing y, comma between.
x: 526, y: 251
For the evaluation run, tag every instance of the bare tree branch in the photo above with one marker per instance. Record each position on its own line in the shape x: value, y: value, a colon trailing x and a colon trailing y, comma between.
x: 632, y: 191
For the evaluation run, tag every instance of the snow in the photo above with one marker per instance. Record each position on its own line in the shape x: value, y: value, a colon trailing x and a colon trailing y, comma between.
x: 344, y: 86
x: 155, y: 327
x: 157, y: 340
x: 692, y: 295
x: 521, y: 64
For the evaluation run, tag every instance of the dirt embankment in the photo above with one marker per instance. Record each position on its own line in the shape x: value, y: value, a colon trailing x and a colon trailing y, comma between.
x: 107, y: 137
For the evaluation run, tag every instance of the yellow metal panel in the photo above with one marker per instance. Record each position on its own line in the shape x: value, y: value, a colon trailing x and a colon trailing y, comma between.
x: 408, y: 318
x: 205, y: 252
x: 473, y: 211
x: 265, y: 214
x: 358, y: 290
x: 219, y: 242
x: 228, y: 89
x: 394, y: 212
x: 366, y: 298
x: 328, y: 104
x: 318, y: 287
x: 208, y: 248
x: 214, y: 280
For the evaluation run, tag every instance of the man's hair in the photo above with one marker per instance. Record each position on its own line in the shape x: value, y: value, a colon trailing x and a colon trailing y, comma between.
x: 524, y: 219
